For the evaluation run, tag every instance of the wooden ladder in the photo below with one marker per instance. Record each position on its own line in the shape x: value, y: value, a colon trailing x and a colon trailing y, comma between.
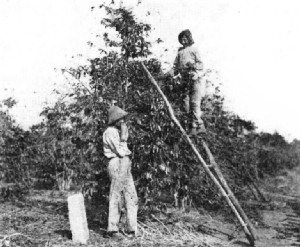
x: 211, y: 169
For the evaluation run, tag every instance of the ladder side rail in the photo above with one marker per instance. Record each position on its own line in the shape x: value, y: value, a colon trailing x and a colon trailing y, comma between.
x: 249, y: 235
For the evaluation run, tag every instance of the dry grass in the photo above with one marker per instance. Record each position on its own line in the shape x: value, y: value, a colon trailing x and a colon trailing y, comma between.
x: 42, y: 220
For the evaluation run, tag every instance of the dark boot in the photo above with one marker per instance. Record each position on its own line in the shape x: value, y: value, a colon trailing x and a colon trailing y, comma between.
x: 201, y: 129
x: 116, y: 236
x: 131, y: 235
x: 196, y: 131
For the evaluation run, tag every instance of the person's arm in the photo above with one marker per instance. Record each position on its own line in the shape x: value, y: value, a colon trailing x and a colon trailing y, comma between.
x: 124, y: 132
x: 174, y: 70
x: 198, y: 65
x: 176, y: 66
x: 118, y: 147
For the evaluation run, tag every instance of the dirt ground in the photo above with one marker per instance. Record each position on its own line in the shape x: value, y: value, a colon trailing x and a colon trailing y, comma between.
x: 42, y: 220
x: 281, y: 216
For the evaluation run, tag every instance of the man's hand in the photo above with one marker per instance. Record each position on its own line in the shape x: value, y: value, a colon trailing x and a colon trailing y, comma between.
x: 194, y: 75
x: 190, y: 65
x: 170, y: 73
x: 178, y: 76
x: 124, y: 132
x: 197, y: 74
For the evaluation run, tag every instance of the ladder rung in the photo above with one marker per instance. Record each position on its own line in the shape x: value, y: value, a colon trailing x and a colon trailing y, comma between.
x: 228, y: 195
x: 245, y: 225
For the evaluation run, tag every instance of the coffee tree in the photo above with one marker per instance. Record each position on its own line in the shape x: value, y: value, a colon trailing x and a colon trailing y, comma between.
x: 15, y: 163
x: 65, y: 151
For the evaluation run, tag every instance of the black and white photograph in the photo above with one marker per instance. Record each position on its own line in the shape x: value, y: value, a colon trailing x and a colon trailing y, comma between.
x: 144, y: 123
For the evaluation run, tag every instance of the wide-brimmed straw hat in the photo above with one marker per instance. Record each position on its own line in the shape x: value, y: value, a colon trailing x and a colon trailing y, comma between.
x: 115, y: 113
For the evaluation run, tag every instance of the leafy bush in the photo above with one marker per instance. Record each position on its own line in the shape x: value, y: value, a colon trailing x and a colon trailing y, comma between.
x: 65, y: 150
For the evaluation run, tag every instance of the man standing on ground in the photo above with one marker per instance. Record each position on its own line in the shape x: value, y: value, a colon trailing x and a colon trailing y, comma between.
x: 119, y: 168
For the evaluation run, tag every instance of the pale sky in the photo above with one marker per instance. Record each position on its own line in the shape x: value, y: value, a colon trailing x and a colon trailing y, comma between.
x: 253, y: 44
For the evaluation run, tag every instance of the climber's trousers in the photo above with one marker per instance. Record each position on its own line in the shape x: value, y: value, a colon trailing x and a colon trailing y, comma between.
x: 193, y: 94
